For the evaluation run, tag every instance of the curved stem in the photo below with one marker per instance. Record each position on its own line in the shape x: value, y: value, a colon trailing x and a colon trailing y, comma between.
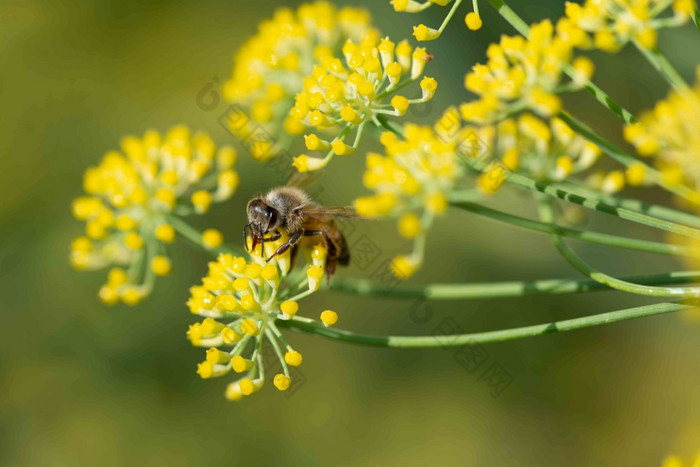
x: 271, y: 337
x: 484, y: 337
x: 484, y: 290
x: 547, y: 215
x: 583, y: 235
x: 390, y: 125
x: 601, y: 96
x: 449, y: 15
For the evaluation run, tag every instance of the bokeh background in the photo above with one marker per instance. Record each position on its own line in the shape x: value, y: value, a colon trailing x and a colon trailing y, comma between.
x: 82, y: 384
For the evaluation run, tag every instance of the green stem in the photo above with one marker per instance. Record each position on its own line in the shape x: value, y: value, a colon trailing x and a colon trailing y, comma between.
x: 663, y: 66
x: 276, y: 346
x: 195, y: 236
x: 547, y: 215
x: 484, y: 290
x: 582, y: 235
x: 622, y: 213
x: 601, y: 96
x: 654, y: 210
x: 484, y: 337
x: 449, y: 15
x: 390, y: 125
x: 391, y: 90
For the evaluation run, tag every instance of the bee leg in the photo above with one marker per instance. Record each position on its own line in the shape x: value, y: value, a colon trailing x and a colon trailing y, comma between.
x: 288, y: 244
x: 274, y: 236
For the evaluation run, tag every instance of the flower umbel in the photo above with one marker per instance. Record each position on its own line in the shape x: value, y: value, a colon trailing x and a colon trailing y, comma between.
x: 411, y: 183
x: 613, y: 23
x: 270, y: 67
x: 240, y: 301
x: 130, y: 196
x: 346, y: 94
x: 670, y: 134
x: 523, y: 74
x: 544, y: 150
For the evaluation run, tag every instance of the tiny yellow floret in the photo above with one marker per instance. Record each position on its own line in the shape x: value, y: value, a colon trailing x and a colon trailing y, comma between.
x: 329, y: 317
x: 473, y: 21
x: 293, y: 358
x: 212, y: 238
x: 161, y: 265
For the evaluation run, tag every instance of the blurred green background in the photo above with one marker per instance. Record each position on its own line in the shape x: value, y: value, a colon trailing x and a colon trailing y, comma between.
x: 82, y: 384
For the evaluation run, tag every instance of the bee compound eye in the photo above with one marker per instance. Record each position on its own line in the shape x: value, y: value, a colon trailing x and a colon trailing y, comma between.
x: 271, y: 218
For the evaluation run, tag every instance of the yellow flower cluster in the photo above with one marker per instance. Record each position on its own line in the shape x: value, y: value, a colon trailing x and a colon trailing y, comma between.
x: 240, y: 301
x: 670, y: 133
x: 130, y: 196
x: 425, y: 33
x: 524, y: 74
x: 411, y: 182
x: 544, y: 150
x: 348, y: 93
x: 609, y: 24
x: 269, y: 69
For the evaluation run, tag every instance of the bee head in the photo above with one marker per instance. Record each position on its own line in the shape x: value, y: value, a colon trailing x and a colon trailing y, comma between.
x: 262, y: 217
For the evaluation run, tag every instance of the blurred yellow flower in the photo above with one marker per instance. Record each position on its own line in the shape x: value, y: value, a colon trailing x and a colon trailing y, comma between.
x: 670, y: 134
x: 269, y: 69
x: 546, y: 150
x: 675, y: 461
x: 523, y: 74
x: 610, y: 24
x: 129, y: 197
x: 411, y: 182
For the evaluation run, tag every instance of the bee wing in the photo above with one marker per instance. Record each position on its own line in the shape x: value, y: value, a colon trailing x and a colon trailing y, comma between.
x: 332, y: 211
x: 304, y: 179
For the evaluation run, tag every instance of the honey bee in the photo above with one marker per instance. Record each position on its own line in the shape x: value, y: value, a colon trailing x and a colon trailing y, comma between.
x: 290, y: 210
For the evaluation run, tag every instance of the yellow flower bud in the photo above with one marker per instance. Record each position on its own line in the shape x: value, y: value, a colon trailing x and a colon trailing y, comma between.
x: 409, y: 225
x: 329, y: 317
x: 293, y: 358
x: 281, y: 382
x: 161, y: 266
x: 133, y: 240
x: 473, y: 21
x: 424, y: 33
x: 165, y: 233
x: 212, y: 238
